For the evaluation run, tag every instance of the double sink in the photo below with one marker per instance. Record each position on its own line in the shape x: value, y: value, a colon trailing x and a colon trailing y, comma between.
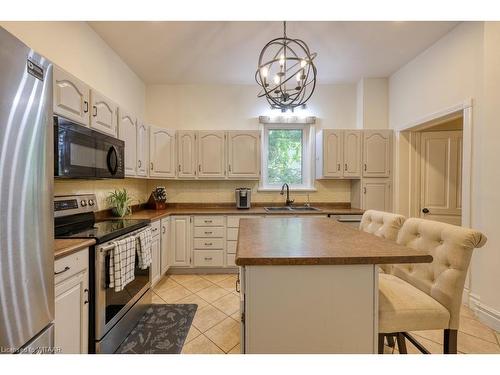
x: 291, y: 208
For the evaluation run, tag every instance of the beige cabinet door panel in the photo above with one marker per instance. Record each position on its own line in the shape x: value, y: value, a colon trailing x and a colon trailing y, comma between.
x: 165, y: 242
x: 155, y: 260
x: 161, y: 152
x: 377, y: 153
x: 127, y: 132
x: 142, y: 149
x: 71, y: 97
x: 352, y: 153
x: 103, y: 116
x: 186, y: 154
x: 243, y: 154
x: 441, y: 175
x: 211, y: 152
x: 376, y: 194
x: 180, y: 249
x: 333, y: 153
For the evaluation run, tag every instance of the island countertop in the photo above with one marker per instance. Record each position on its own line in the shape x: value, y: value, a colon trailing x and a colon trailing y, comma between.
x: 316, y: 241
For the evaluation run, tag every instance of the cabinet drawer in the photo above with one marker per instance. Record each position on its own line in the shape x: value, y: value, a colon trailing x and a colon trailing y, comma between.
x: 233, y: 221
x: 231, y: 247
x: 209, y: 232
x: 208, y: 258
x: 155, y: 228
x: 208, y: 243
x: 209, y: 221
x: 232, y: 234
x: 231, y: 260
x: 71, y: 265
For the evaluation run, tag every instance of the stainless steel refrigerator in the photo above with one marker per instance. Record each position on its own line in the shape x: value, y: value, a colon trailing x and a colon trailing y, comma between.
x: 26, y: 199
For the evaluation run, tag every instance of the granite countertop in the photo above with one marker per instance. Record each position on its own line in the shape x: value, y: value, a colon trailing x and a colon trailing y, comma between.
x: 193, y: 209
x: 63, y: 247
x: 315, y: 241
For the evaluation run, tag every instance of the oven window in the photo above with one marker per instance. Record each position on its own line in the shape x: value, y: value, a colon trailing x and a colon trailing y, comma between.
x: 115, y: 301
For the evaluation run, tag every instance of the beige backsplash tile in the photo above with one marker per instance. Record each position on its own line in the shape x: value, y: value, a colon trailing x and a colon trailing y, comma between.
x: 199, y: 191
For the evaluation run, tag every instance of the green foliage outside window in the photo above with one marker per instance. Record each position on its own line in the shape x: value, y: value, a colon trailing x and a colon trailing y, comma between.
x: 284, y: 160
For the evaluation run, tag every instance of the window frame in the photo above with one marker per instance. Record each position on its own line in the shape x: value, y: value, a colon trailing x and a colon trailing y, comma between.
x: 308, y: 152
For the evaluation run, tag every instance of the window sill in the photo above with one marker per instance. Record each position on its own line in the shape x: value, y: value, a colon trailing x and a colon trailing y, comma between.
x: 292, y: 190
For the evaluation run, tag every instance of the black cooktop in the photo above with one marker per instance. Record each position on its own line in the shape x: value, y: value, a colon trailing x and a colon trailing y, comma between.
x: 101, y: 231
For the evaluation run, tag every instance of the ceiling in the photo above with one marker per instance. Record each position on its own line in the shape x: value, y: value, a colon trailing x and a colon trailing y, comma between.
x: 227, y: 52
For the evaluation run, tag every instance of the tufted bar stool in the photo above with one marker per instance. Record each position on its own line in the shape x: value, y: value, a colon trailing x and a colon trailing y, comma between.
x: 382, y: 224
x: 427, y: 296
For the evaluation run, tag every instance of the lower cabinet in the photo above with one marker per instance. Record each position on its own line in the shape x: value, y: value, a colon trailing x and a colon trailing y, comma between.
x: 72, y: 303
x: 165, y: 245
x: 180, y: 233
x: 155, y: 259
x: 376, y: 194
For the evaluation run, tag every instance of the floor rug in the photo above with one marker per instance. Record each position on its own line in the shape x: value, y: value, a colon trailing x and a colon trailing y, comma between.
x: 161, y: 330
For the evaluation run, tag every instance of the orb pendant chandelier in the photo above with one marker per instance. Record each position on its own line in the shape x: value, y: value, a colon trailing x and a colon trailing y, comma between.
x: 286, y: 73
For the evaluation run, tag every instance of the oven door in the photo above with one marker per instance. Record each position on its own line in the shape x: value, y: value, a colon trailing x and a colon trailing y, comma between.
x: 111, y: 306
x: 84, y: 153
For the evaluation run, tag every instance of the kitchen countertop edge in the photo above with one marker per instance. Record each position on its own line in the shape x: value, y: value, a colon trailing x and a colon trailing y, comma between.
x: 65, y: 247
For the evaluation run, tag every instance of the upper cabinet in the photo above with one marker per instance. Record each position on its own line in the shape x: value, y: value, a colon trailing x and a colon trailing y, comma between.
x: 211, y: 150
x: 376, y: 194
x: 142, y: 149
x: 243, y: 154
x: 377, y: 153
x: 71, y: 97
x: 187, y: 154
x: 338, y: 154
x: 162, y: 152
x: 127, y: 132
x: 103, y: 116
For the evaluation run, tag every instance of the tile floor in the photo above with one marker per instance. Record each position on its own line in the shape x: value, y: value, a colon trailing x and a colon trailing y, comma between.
x: 216, y: 327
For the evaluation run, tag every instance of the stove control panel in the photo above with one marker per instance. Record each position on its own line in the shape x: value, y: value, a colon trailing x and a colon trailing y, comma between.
x: 65, y: 205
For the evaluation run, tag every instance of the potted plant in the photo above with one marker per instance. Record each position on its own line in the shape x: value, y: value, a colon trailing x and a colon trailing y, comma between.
x: 120, y: 202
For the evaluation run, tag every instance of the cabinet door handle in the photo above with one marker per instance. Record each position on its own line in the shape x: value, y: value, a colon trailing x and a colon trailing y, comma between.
x: 365, y: 167
x: 151, y: 166
x: 237, y: 287
x: 208, y: 221
x: 345, y: 167
x: 229, y: 167
x: 199, y: 167
x: 139, y: 163
x: 95, y: 110
x: 179, y: 168
x: 338, y: 167
x: 64, y: 270
x: 87, y: 300
x: 208, y: 243
x: 85, y: 106
x: 164, y: 230
x: 364, y: 190
x: 208, y: 232
x: 208, y: 258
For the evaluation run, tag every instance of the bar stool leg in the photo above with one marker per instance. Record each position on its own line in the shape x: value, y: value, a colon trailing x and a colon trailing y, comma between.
x: 401, y: 343
x: 450, y: 341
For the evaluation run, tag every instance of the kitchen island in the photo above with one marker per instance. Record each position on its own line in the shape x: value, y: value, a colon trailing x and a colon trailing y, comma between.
x: 310, y: 285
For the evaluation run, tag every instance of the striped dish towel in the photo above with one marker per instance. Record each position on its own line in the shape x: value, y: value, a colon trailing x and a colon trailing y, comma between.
x: 122, y: 263
x: 144, y: 248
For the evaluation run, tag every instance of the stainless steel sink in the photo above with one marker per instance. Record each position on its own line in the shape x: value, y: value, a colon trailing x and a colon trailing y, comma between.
x: 286, y: 208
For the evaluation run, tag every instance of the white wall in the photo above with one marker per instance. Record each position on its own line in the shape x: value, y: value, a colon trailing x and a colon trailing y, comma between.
x: 76, y: 48
x: 463, y: 64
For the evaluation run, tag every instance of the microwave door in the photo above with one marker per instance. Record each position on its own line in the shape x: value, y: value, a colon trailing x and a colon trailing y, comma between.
x: 109, y: 159
x: 76, y: 154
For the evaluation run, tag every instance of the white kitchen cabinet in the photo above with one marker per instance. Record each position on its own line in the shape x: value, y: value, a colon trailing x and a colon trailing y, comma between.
x: 103, y: 115
x: 127, y: 132
x: 376, y: 194
x: 180, y: 233
x: 352, y: 153
x: 211, y: 152
x: 338, y: 153
x: 243, y: 152
x: 72, y: 303
x: 142, y: 149
x: 165, y: 244
x: 377, y: 153
x: 155, y: 260
x: 161, y: 152
x: 71, y: 97
x: 187, y: 161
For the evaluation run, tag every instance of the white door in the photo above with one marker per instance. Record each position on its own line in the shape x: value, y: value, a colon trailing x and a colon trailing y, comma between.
x: 377, y: 194
x: 155, y: 260
x: 352, y: 153
x: 332, y: 153
x: 211, y: 161
x: 161, y: 152
x: 441, y: 175
x: 142, y: 149
x: 243, y: 151
x: 180, y: 249
x: 186, y: 154
x: 377, y: 153
x: 103, y: 116
x: 71, y: 97
x: 72, y: 314
x: 127, y: 132
x: 165, y: 238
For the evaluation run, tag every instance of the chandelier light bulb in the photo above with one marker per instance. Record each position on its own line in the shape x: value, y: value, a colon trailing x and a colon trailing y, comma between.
x: 277, y: 79
x: 264, y: 71
x: 299, y: 76
x: 282, y: 60
x: 303, y: 63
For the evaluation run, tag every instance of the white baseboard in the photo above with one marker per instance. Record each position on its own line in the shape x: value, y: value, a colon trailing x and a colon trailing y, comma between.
x: 485, y: 314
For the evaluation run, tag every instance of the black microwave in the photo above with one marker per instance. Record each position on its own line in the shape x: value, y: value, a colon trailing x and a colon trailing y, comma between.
x: 80, y: 152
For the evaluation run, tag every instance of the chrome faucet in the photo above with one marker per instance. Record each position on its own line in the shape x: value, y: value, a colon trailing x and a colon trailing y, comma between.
x: 288, y: 201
